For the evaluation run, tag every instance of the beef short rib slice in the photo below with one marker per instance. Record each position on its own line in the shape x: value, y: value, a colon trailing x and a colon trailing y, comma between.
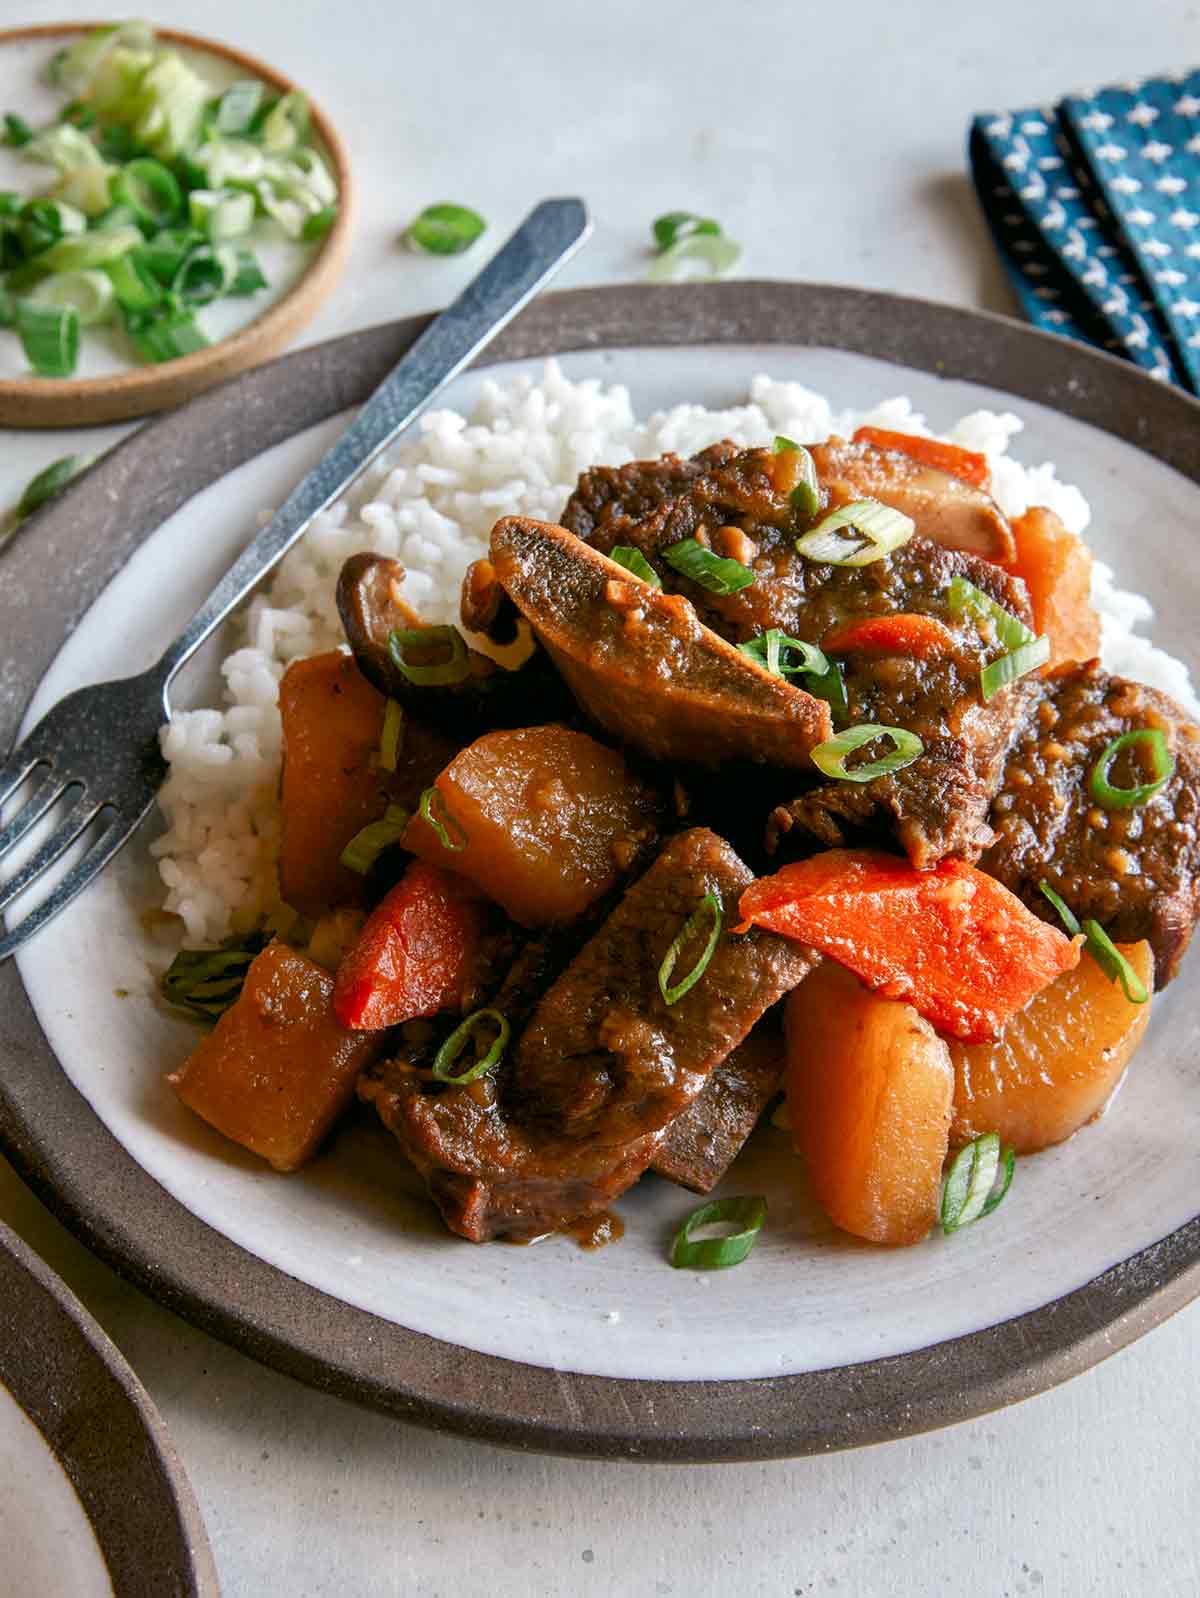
x: 701, y: 1144
x: 1135, y: 871
x: 577, y: 1110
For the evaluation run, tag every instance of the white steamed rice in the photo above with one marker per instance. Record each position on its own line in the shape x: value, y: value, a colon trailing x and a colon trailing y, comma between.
x: 432, y: 505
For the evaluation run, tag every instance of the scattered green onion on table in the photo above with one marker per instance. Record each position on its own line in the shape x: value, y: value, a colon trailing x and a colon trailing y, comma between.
x: 156, y: 174
x: 445, y: 230
x: 683, y: 239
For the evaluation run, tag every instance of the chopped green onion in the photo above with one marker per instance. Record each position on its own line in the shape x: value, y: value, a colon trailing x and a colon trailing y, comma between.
x: 286, y: 123
x: 56, y: 217
x: 225, y: 161
x: 456, y: 668
x: 968, y: 1194
x: 714, y: 251
x: 830, y: 756
x: 1162, y: 763
x: 857, y: 534
x: 1065, y: 914
x: 48, y: 482
x: 747, y: 1214
x: 91, y: 294
x: 204, y: 274
x: 709, y: 907
x: 361, y: 853
x: 237, y: 107
x: 79, y: 114
x: 392, y: 737
x: 770, y: 649
x: 445, y: 230
x: 66, y: 148
x: 208, y: 981
x: 116, y: 144
x: 49, y: 335
x: 249, y: 277
x: 165, y: 338
x: 1113, y: 963
x: 166, y: 252
x: 448, y: 1055
x: 150, y: 191
x: 676, y: 225
x: 10, y: 202
x: 135, y: 287
x: 806, y: 496
x: 964, y: 599
x: 94, y: 248
x: 719, y: 575
x: 442, y: 824
x: 998, y: 674
x: 319, y: 223
x: 634, y: 561
x: 17, y: 131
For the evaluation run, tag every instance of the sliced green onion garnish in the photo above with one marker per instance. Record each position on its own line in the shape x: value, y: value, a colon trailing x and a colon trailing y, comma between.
x: 17, y: 132
x: 967, y: 1195
x: 150, y: 191
x: 164, y: 338
x: 1065, y: 914
x: 455, y: 668
x: 237, y: 106
x: 714, y: 572
x: 857, y: 534
x: 806, y: 496
x: 717, y: 1253
x: 1113, y: 963
x: 1162, y: 763
x: 90, y: 293
x: 207, y: 981
x: 634, y: 561
x: 48, y: 482
x: 771, y: 648
x: 361, y: 853
x: 830, y: 686
x: 445, y: 230
x: 676, y: 225
x: 998, y: 674
x: 448, y: 1055
x: 964, y: 599
x: 392, y: 736
x: 49, y: 335
x: 714, y: 251
x: 443, y: 823
x: 709, y: 908
x: 830, y: 757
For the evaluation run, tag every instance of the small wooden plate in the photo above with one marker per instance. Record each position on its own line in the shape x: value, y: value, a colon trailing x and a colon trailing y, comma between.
x: 121, y: 396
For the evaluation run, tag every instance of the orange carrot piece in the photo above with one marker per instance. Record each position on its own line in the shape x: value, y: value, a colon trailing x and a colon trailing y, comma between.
x: 905, y: 633
x: 949, y: 458
x: 413, y: 955
x: 953, y: 942
x: 1056, y: 568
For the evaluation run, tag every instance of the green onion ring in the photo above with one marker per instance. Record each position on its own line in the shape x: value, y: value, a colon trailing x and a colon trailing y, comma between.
x: 769, y: 649
x: 1010, y: 668
x: 447, y: 1055
x: 445, y: 230
x: 392, y: 736
x: 713, y: 250
x: 710, y: 905
x: 967, y: 1195
x: 1162, y: 762
x: 964, y: 599
x: 1113, y: 963
x: 830, y: 756
x: 676, y: 225
x: 874, y: 530
x: 1065, y: 914
x: 425, y: 810
x: 714, y: 572
x: 361, y: 853
x: 718, y: 1253
x: 457, y: 668
x: 634, y: 561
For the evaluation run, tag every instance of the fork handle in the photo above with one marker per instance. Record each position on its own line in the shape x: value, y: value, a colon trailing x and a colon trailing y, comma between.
x: 548, y: 237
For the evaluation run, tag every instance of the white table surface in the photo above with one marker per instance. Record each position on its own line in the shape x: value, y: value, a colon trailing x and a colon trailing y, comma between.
x: 831, y: 142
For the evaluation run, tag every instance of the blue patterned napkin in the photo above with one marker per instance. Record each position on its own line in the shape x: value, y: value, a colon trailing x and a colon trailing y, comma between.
x: 1095, y: 208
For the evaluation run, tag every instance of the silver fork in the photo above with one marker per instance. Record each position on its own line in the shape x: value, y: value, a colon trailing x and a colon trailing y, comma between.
x: 98, y: 749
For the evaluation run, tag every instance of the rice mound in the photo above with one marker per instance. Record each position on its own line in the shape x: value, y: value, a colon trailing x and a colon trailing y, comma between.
x: 431, y: 504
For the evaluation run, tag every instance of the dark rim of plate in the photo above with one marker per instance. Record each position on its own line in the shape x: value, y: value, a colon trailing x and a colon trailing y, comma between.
x: 76, y: 1388
x: 71, y: 1159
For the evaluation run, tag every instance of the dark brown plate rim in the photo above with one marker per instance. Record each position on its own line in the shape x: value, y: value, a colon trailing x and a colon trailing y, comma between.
x: 71, y: 1159
x: 77, y: 1389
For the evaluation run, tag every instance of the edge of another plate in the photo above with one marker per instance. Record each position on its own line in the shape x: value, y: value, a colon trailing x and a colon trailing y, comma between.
x: 69, y: 1157
x: 46, y: 402
x: 77, y: 1389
